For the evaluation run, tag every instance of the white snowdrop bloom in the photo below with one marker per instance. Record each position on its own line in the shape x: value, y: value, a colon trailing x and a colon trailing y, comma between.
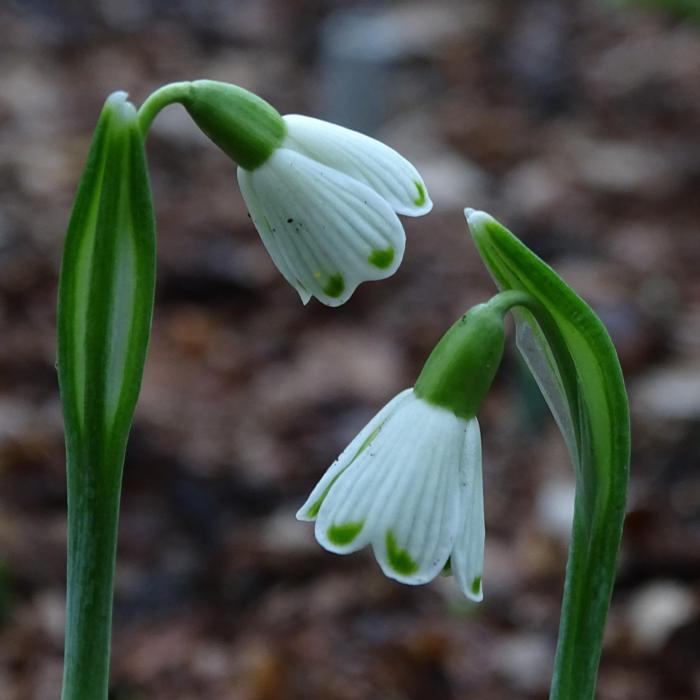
x: 325, y: 203
x: 323, y: 198
x: 410, y: 485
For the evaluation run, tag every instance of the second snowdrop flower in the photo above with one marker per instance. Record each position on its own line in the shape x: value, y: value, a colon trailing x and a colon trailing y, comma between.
x: 410, y: 484
x: 323, y: 198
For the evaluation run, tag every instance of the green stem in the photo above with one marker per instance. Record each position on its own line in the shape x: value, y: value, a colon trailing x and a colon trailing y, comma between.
x: 93, y: 514
x: 506, y: 300
x: 162, y: 97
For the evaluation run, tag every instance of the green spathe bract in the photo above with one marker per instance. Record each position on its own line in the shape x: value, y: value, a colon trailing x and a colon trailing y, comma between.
x: 241, y: 124
x: 573, y: 359
x: 104, y: 318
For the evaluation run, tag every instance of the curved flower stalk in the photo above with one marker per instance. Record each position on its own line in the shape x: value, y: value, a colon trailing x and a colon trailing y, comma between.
x: 323, y: 198
x: 410, y: 484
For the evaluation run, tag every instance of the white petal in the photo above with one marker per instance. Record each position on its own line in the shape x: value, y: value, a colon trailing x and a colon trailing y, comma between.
x: 362, y: 492
x: 264, y: 228
x: 468, y: 553
x: 326, y: 231
x: 363, y: 158
x: 363, y: 440
x: 415, y: 532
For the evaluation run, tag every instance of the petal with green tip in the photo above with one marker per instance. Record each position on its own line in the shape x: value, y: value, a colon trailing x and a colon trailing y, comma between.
x: 310, y: 509
x: 320, y: 226
x: 468, y: 554
x: 363, y: 158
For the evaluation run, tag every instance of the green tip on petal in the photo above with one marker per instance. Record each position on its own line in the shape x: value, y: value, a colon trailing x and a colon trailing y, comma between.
x: 381, y: 259
x: 399, y: 559
x: 312, y: 512
x: 422, y: 197
x: 346, y: 533
x: 476, y: 585
x: 335, y: 286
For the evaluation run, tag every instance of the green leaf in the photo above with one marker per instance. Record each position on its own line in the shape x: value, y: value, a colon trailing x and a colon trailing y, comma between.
x: 104, y: 317
x: 107, y: 284
x: 574, y: 362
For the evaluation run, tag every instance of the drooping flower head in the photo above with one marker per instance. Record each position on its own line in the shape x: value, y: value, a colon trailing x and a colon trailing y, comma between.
x: 323, y: 198
x: 410, y: 484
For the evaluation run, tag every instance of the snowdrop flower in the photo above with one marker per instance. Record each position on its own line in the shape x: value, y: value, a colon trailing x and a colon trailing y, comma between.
x: 323, y: 198
x: 410, y: 484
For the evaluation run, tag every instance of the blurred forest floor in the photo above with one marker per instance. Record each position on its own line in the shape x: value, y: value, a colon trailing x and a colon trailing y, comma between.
x: 576, y: 124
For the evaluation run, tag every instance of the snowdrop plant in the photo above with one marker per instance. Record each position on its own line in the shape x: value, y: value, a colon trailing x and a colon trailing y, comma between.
x: 324, y: 200
x: 410, y: 484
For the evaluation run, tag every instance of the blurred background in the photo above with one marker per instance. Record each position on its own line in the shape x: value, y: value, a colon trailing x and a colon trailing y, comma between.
x: 574, y: 123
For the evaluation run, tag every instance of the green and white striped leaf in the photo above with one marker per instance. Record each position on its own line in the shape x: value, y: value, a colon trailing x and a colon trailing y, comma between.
x: 107, y: 283
x: 573, y: 360
x: 104, y: 317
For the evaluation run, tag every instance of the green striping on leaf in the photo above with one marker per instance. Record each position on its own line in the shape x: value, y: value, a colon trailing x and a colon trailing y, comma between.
x: 312, y: 512
x: 476, y: 585
x: 335, y: 285
x: 345, y: 533
x: 399, y: 559
x: 107, y: 281
x: 422, y: 197
x: 572, y: 358
x: 381, y: 259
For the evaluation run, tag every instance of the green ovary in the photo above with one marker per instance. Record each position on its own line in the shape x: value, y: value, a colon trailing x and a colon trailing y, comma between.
x: 381, y: 258
x: 345, y: 533
x: 399, y: 559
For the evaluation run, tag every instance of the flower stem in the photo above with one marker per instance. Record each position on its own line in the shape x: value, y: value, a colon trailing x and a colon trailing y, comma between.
x: 162, y: 97
x: 93, y: 514
x: 506, y: 300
